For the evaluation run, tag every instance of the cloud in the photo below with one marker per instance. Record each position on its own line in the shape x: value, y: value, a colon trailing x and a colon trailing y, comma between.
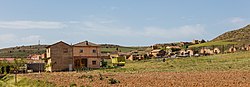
x: 31, y: 25
x: 30, y: 39
x: 113, y: 8
x: 13, y: 40
x: 237, y: 20
x: 186, y: 31
x: 111, y: 29
x: 6, y: 38
x: 107, y: 28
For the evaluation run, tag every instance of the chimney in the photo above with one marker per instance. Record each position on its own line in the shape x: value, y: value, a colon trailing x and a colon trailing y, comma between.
x: 87, y: 43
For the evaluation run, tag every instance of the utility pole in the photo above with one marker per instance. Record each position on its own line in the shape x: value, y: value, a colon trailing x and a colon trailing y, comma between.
x: 39, y: 42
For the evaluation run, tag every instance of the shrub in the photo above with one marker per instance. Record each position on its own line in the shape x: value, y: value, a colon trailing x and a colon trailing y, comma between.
x: 72, y: 85
x: 113, y: 81
x: 101, y: 78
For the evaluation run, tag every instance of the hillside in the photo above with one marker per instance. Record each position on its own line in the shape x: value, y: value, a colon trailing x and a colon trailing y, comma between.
x: 236, y: 37
x: 239, y: 35
x: 108, y: 48
x: 25, y: 51
x: 22, y: 51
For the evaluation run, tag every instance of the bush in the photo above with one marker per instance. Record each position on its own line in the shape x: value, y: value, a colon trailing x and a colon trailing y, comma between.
x: 113, y: 81
x: 85, y: 76
x: 72, y: 85
x: 101, y: 78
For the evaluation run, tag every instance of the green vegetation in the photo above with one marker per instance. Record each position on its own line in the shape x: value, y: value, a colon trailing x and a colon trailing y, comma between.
x: 215, y: 43
x: 221, y: 62
x: 8, y: 81
x: 113, y: 81
x: 121, y: 49
x: 72, y: 85
x: 22, y: 51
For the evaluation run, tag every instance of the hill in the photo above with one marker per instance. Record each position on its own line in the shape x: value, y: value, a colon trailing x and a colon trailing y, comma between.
x: 108, y: 48
x: 235, y: 37
x: 239, y: 35
x: 22, y: 51
x: 25, y: 51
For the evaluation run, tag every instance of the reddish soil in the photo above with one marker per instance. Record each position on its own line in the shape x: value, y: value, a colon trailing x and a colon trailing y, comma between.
x: 149, y: 79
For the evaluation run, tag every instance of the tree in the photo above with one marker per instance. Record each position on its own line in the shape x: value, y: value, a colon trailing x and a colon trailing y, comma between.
x: 16, y: 66
x: 203, y: 41
x: 3, y: 67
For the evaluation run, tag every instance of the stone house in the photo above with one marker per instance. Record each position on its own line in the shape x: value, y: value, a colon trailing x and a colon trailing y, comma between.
x: 59, y: 57
x: 245, y: 47
x: 158, y: 53
x: 119, y: 54
x: 170, y: 49
x: 186, y: 53
x: 232, y: 49
x: 86, y: 54
x: 136, y: 57
x: 206, y: 51
x: 36, y: 56
x: 216, y: 51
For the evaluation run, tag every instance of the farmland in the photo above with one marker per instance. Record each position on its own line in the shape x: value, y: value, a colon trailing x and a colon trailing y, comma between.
x: 217, y: 70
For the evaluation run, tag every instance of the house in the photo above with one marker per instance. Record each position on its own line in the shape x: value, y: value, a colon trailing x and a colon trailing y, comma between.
x: 198, y: 41
x: 245, y: 47
x: 216, y: 50
x: 171, y: 49
x: 158, y: 53
x: 59, y: 57
x: 119, y: 54
x: 36, y: 56
x: 7, y: 59
x: 232, y: 49
x: 206, y: 51
x: 136, y: 57
x: 86, y: 54
x: 186, y: 43
x: 186, y: 53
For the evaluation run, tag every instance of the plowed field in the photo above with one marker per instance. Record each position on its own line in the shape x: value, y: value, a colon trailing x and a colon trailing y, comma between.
x: 153, y: 79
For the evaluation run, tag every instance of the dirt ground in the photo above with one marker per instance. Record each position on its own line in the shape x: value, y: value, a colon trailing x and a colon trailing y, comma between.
x: 148, y: 79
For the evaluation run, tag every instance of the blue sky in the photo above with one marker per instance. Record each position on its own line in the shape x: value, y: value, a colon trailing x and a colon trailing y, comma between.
x: 123, y: 22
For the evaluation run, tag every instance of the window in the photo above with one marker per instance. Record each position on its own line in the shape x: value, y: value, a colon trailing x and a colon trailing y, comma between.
x: 94, y: 51
x: 93, y: 62
x: 65, y: 50
x: 81, y: 51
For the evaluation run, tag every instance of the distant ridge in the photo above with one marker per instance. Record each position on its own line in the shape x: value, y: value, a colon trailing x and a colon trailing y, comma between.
x: 22, y: 51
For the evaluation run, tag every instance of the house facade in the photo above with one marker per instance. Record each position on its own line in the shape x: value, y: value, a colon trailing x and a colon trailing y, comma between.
x: 59, y: 57
x: 216, y: 51
x: 186, y: 53
x: 158, y: 53
x: 86, y: 54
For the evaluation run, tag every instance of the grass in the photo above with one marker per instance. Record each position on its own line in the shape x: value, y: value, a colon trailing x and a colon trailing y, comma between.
x: 122, y: 49
x: 8, y: 81
x: 221, y: 62
x: 215, y: 43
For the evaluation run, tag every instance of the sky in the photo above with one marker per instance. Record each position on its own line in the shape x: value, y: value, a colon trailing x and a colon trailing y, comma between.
x: 122, y: 22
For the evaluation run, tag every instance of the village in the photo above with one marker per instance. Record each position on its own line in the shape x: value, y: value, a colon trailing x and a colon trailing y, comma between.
x: 86, y: 55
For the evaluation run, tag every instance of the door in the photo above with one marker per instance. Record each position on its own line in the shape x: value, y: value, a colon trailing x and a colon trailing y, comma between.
x: 84, y: 63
